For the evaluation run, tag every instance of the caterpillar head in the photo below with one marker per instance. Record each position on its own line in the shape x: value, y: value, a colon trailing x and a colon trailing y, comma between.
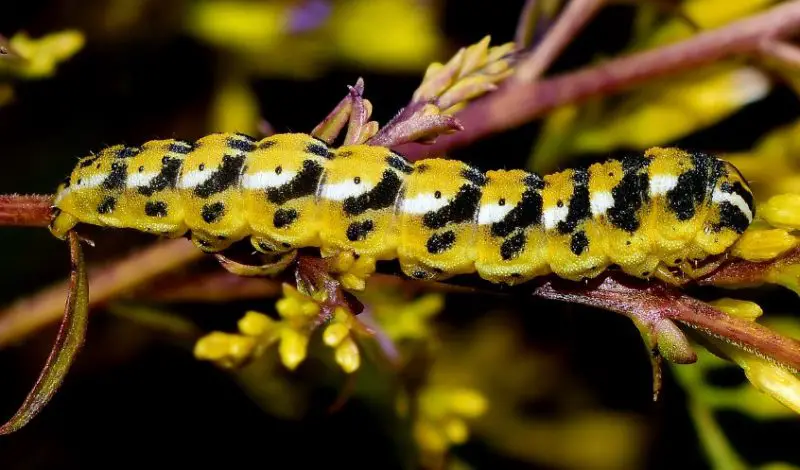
x: 733, y: 209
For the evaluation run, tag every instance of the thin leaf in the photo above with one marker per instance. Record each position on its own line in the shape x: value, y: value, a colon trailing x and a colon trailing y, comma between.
x: 69, y: 341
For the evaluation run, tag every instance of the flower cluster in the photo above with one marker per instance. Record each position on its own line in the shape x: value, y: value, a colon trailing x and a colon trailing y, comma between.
x: 300, y: 316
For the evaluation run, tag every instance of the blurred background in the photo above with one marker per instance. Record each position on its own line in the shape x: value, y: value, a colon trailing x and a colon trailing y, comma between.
x: 543, y: 385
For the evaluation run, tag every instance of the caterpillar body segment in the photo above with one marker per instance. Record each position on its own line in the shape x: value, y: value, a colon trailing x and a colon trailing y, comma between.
x: 437, y: 217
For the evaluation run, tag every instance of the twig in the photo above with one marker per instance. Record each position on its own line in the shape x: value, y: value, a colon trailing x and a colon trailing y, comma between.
x: 653, y: 302
x: 782, y: 51
x: 25, y: 211
x: 518, y: 102
x: 218, y: 286
x: 29, y: 314
x: 575, y: 15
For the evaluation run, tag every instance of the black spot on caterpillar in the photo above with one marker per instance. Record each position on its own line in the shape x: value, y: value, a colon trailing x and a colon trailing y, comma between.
x: 383, y: 195
x: 461, y: 209
x: 155, y: 208
x: 284, y: 217
x: 358, y: 231
x: 166, y: 178
x: 107, y: 205
x: 212, y: 212
x: 630, y: 194
x: 441, y: 242
x: 305, y: 183
x: 116, y: 179
x: 225, y: 177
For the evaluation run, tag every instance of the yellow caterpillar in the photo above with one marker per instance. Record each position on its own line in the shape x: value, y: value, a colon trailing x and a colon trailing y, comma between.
x: 438, y: 217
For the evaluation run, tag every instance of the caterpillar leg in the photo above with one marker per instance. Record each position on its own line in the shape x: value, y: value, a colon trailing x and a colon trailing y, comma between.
x: 664, y: 274
x: 279, y: 263
x: 351, y: 269
x: 695, y: 272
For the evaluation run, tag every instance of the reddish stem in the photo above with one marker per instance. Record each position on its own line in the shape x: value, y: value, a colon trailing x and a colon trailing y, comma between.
x: 517, y: 102
x: 25, y: 210
x: 650, y: 302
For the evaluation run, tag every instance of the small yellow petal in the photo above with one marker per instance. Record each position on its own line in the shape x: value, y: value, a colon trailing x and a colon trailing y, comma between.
x: 255, y: 324
x: 456, y: 431
x: 763, y: 245
x: 738, y: 308
x: 468, y: 402
x: 347, y: 356
x: 353, y: 282
x: 293, y: 348
x: 335, y: 334
x: 778, y: 383
x: 782, y: 211
x: 224, y: 348
x: 429, y: 437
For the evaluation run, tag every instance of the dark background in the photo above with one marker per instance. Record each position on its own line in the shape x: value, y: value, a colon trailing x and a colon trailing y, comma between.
x: 136, y: 399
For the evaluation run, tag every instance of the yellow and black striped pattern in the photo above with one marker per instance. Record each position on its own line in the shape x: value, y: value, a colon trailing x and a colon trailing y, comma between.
x: 437, y: 217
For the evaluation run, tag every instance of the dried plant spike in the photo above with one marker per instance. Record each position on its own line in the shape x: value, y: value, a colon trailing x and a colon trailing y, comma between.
x: 435, y: 83
x: 477, y: 63
x: 334, y: 122
x: 423, y: 129
x: 68, y: 343
x: 359, y: 115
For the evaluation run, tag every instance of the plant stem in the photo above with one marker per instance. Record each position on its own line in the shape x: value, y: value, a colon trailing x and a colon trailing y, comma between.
x: 575, y: 15
x: 29, y: 314
x: 25, y: 210
x: 650, y: 302
x: 517, y: 102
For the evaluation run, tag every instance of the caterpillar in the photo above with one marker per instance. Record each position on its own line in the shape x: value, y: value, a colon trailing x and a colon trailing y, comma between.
x: 438, y: 217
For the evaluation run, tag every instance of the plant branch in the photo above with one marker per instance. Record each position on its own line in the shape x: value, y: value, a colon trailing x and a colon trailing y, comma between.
x: 654, y: 302
x: 29, y: 314
x: 25, y: 211
x: 574, y: 17
x: 517, y: 102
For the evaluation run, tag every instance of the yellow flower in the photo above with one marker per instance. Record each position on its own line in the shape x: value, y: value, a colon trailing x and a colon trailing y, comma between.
x: 764, y: 244
x: 40, y: 57
x: 401, y: 318
x: 738, y: 308
x: 442, y: 417
x: 338, y: 335
x: 227, y: 350
x: 782, y: 211
x: 768, y: 377
x: 655, y: 114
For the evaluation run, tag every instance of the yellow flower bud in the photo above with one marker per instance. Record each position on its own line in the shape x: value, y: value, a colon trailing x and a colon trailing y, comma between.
x: 353, y: 282
x: 293, y: 348
x: 763, y: 245
x: 335, y: 334
x: 778, y: 383
x: 456, y: 431
x: 295, y: 304
x: 226, y: 349
x: 347, y: 355
x: 782, y: 211
x: 255, y: 324
x: 738, y: 308
x: 468, y: 402
x: 429, y: 437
